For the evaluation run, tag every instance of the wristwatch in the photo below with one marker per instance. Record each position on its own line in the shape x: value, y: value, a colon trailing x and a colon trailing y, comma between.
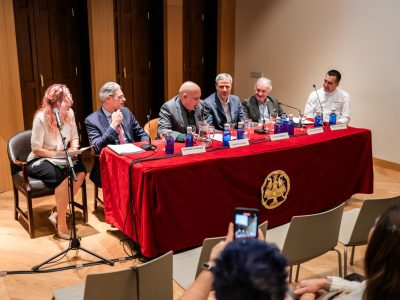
x: 206, y: 266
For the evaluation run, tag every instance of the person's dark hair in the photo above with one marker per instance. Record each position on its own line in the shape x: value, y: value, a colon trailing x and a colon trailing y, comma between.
x: 250, y: 269
x: 336, y: 74
x: 382, y: 259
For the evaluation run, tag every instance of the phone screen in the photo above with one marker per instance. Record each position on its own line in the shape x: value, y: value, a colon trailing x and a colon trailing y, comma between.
x: 246, y: 223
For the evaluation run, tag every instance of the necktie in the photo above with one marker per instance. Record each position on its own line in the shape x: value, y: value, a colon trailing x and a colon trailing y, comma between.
x: 120, y: 135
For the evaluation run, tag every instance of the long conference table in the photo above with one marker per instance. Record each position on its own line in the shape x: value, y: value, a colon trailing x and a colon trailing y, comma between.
x: 173, y: 202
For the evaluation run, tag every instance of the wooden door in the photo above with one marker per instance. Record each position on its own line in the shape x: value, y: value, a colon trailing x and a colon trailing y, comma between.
x: 136, y: 40
x: 200, y: 43
x: 49, y: 35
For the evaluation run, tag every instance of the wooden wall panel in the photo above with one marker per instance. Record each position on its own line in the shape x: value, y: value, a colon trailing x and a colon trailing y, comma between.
x: 226, y: 37
x: 10, y: 92
x: 102, y: 46
x: 173, y: 47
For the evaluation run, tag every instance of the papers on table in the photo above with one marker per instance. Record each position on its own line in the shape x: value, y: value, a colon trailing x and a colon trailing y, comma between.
x: 61, y: 154
x: 218, y: 137
x: 125, y: 149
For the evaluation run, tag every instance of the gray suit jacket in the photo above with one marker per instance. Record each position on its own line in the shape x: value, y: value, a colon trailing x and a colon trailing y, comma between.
x: 250, y: 107
x: 214, y: 112
x: 173, y: 116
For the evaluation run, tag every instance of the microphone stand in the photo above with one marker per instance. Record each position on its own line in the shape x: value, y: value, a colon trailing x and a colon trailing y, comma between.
x: 300, y: 114
x: 148, y: 146
x: 74, y: 243
x: 320, y: 105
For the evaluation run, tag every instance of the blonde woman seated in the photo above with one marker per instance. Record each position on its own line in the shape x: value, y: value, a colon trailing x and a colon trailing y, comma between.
x: 46, y: 143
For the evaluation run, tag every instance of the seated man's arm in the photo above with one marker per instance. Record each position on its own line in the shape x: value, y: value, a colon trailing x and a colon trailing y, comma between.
x: 97, y: 139
x: 138, y: 133
x: 344, y: 116
x: 166, y: 121
x: 208, y: 113
x: 245, y: 106
x: 309, y: 110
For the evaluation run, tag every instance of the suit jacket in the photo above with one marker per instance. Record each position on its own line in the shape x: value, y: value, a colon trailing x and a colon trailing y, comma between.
x: 251, y: 110
x: 214, y: 112
x: 101, y: 134
x: 173, y: 116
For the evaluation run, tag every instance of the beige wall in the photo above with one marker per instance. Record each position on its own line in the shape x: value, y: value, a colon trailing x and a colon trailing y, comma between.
x: 10, y: 94
x: 295, y: 42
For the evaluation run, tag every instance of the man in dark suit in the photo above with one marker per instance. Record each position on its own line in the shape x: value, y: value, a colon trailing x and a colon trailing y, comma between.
x: 112, y: 123
x: 261, y: 106
x: 181, y: 111
x: 221, y: 107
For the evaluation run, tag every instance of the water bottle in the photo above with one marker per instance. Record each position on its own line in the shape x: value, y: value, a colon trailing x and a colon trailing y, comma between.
x: 189, y: 137
x: 169, y: 143
x: 290, y: 125
x: 226, y: 135
x: 240, y: 131
x: 318, y: 119
x: 278, y: 125
x: 284, y: 123
x: 332, y: 117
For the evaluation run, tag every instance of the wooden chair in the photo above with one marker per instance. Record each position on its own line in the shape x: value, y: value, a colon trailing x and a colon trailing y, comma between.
x: 307, y: 237
x: 151, y: 280
x: 357, y: 222
x: 18, y: 148
x: 151, y: 128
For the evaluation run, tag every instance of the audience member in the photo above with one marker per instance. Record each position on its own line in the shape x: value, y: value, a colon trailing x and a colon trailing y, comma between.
x: 46, y: 143
x: 329, y: 97
x: 182, y: 110
x: 381, y: 263
x: 112, y: 123
x: 242, y: 269
x: 221, y: 107
x: 261, y: 106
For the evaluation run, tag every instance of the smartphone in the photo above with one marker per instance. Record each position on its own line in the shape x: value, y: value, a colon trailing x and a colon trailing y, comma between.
x: 245, y: 223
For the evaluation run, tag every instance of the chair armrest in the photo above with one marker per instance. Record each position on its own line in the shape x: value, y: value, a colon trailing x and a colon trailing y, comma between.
x: 24, y: 168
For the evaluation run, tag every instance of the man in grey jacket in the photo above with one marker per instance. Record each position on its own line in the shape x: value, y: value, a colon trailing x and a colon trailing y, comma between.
x: 261, y: 106
x: 183, y: 110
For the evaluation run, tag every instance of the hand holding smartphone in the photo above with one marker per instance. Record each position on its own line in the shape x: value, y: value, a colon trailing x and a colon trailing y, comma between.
x: 245, y: 223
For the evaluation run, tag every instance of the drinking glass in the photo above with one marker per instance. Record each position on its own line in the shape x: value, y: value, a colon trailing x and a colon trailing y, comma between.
x: 163, y: 137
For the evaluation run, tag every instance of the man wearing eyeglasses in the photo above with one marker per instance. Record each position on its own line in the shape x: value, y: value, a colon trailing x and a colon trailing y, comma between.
x: 111, y: 124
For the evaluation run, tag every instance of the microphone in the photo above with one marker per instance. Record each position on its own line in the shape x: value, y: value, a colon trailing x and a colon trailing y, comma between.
x: 322, y: 110
x: 149, y: 146
x: 283, y: 104
x: 57, y: 115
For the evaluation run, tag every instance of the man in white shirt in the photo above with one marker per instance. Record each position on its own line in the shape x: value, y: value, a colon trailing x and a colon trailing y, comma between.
x: 329, y: 98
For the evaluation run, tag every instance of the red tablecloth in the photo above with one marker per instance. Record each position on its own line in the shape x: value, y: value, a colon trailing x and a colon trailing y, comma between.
x: 178, y: 201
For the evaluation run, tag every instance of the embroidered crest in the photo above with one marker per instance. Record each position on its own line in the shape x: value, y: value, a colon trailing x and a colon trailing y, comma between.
x: 275, y: 189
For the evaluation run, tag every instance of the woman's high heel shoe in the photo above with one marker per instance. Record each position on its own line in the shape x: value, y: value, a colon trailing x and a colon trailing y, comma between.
x: 53, y: 218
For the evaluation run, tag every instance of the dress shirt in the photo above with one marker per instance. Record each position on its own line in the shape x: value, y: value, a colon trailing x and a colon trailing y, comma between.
x: 264, y: 109
x: 227, y: 109
x: 109, y: 119
x: 338, y: 99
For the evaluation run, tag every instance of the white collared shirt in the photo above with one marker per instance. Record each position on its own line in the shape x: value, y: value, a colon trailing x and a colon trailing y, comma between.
x: 338, y: 99
x: 227, y: 109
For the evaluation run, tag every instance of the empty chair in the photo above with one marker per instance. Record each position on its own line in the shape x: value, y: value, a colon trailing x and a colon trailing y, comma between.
x: 357, y: 222
x: 151, y: 128
x: 307, y: 237
x: 151, y: 280
x: 18, y: 148
x: 187, y: 265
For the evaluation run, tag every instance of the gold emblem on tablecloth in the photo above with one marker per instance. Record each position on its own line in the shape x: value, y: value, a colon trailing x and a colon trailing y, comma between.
x: 275, y: 189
